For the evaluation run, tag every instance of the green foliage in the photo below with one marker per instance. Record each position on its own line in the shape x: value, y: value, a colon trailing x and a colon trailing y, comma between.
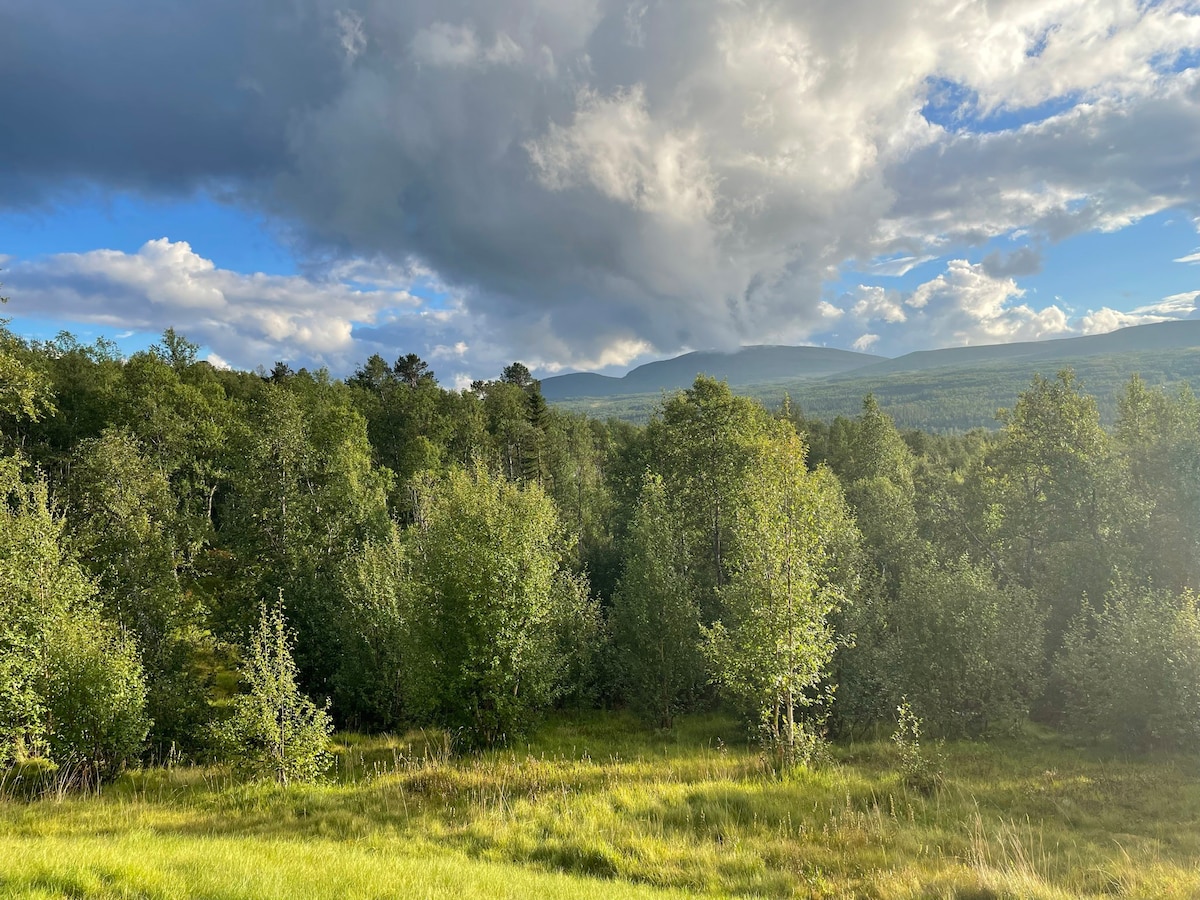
x: 70, y: 684
x: 40, y: 586
x: 490, y: 604
x: 304, y: 496
x: 275, y: 731
x: 775, y: 638
x: 965, y: 652
x: 1130, y: 671
x: 95, y: 697
x: 703, y: 444
x: 1158, y: 435
x: 368, y: 684
x: 876, y: 467
x: 124, y: 525
x: 654, y: 620
x: 1055, y: 485
x: 25, y: 391
x: 918, y: 768
x: 122, y: 516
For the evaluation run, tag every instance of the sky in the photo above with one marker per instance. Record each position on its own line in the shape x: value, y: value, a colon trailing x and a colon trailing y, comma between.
x: 592, y: 184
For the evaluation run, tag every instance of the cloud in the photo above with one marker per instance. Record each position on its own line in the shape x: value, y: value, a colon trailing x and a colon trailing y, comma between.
x: 1191, y: 258
x: 1023, y: 261
x: 976, y: 303
x: 865, y: 342
x: 899, y: 266
x: 592, y: 179
x: 965, y: 304
x: 245, y: 319
x: 1177, y: 306
x: 451, y: 46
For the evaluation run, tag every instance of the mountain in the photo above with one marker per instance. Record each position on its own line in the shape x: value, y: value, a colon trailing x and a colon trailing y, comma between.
x: 750, y: 365
x: 1161, y: 336
x: 961, y: 388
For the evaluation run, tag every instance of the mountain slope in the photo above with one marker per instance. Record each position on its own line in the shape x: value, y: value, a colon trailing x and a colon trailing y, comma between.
x: 961, y: 388
x: 1162, y: 336
x: 750, y: 365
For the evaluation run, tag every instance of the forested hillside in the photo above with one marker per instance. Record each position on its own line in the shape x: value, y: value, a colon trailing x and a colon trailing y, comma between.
x: 944, y: 391
x: 209, y: 564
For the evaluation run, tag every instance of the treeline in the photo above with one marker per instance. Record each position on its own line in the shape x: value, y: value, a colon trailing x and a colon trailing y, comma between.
x: 196, y: 562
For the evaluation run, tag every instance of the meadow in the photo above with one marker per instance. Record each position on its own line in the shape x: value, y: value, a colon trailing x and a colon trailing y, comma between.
x: 596, y: 806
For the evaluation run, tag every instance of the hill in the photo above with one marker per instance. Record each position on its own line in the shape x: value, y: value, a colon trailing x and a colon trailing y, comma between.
x: 1159, y: 337
x: 961, y: 388
x: 750, y: 365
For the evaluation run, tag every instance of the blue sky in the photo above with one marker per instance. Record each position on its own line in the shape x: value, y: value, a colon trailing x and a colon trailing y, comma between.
x: 595, y: 183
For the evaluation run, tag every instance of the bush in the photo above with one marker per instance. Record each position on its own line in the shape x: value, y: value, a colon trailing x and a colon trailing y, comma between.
x: 492, y: 607
x: 275, y: 731
x: 966, y: 653
x: 70, y: 684
x: 96, y: 697
x: 919, y: 770
x: 1130, y: 673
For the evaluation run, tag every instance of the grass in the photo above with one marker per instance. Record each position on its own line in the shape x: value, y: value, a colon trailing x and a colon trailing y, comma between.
x: 595, y: 806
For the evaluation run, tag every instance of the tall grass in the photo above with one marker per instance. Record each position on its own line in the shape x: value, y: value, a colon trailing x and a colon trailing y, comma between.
x: 596, y: 806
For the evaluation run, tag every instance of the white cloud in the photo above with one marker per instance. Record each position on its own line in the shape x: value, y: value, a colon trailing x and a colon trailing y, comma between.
x: 865, y: 342
x: 966, y: 305
x: 1177, y: 306
x: 1191, y: 258
x: 875, y: 303
x: 898, y: 266
x: 613, y: 146
x: 963, y: 305
x: 351, y: 35
x: 246, y: 319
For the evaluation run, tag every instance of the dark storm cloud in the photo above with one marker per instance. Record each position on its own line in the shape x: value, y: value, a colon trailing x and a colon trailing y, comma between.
x: 154, y: 96
x: 599, y: 179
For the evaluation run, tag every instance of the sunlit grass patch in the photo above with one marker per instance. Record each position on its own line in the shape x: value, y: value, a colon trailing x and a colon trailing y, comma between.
x: 598, y: 806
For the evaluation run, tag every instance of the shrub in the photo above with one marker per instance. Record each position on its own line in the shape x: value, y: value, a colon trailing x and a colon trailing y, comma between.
x: 965, y: 652
x: 96, y: 697
x: 275, y: 731
x: 1130, y: 673
x: 491, y: 607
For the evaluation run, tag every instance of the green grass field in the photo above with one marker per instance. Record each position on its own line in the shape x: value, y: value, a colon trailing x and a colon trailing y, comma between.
x: 596, y: 807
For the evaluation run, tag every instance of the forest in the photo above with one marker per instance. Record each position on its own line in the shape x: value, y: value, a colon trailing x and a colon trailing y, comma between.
x: 201, y: 564
x: 733, y: 651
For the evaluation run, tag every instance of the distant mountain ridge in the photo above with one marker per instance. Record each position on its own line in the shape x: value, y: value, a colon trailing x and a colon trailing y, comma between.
x: 959, y: 388
x: 750, y: 365
x: 1178, y: 335
x: 765, y: 364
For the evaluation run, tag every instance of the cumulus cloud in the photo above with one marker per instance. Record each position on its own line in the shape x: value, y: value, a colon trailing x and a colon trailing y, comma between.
x: 1177, y: 306
x: 599, y: 180
x: 965, y: 304
x: 244, y: 319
